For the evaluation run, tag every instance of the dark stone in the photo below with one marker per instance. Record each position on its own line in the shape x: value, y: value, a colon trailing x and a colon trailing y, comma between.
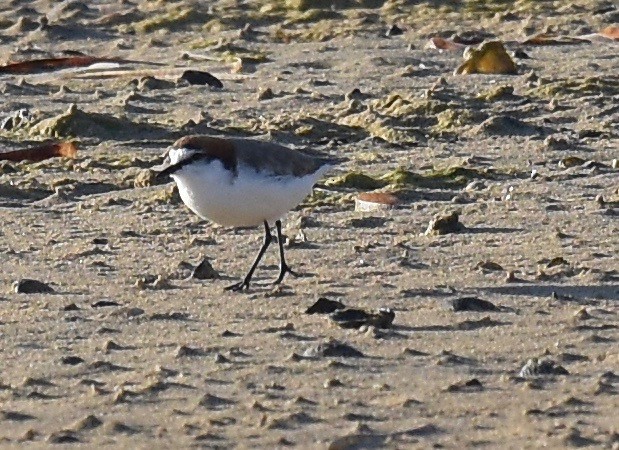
x: 324, y: 306
x: 104, y: 303
x: 28, y: 286
x: 201, y: 78
x: 472, y: 304
x: 71, y: 360
x: 204, y: 271
x: 356, y: 318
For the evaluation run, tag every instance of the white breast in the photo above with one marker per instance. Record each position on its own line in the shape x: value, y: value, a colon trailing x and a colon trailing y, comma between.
x: 214, y: 193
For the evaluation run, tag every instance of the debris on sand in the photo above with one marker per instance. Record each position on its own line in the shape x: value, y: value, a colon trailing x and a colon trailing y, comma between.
x: 41, y: 152
x: 76, y: 122
x: 490, y: 57
x: 356, y: 318
x: 29, y: 286
x: 444, y: 224
x: 324, y: 306
x: 535, y: 367
x: 204, y: 271
x: 472, y: 304
x: 332, y: 348
x: 200, y: 77
x: 375, y: 201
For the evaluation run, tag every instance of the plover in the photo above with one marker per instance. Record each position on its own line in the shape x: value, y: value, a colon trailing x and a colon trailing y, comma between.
x: 240, y: 182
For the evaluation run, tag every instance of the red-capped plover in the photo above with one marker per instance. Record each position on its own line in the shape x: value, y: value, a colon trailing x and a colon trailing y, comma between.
x: 242, y: 182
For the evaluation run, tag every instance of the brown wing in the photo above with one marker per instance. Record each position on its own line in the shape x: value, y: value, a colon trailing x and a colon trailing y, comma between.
x: 274, y: 158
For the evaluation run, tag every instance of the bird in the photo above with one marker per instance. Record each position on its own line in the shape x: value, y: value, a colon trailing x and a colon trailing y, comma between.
x: 243, y: 182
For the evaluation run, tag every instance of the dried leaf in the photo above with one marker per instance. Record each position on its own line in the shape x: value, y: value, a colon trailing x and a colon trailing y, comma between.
x: 375, y: 201
x: 490, y: 57
x: 549, y: 39
x: 444, y: 44
x: 42, y: 152
x: 611, y: 32
x: 51, y: 64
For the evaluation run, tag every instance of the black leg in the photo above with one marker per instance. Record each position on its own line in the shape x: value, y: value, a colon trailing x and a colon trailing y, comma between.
x: 265, y: 244
x: 283, y: 267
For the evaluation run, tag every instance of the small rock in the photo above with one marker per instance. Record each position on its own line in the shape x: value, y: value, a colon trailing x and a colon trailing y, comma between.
x: 444, y: 225
x: 214, y: 402
x: 535, y: 367
x: 15, y: 416
x: 505, y: 126
x: 574, y: 438
x: 89, y: 422
x: 145, y: 178
x: 183, y: 350
x: 111, y: 346
x: 489, y: 266
x: 294, y: 357
x: 557, y: 142
x: 150, y: 83
x: 582, y: 314
x: 71, y: 307
x: 221, y: 359
x: 204, y: 271
x: 200, y: 78
x: 71, y: 360
x: 510, y: 277
x: 332, y: 382
x: 332, y: 348
x: 477, y: 185
x: 472, y: 385
x: 472, y: 304
x: 571, y: 161
x: 367, y: 222
x: 63, y: 437
x: 324, y: 306
x: 394, y: 30
x: 356, y: 318
x: 355, y: 94
x: 29, y: 286
x: 265, y: 94
x: 104, y: 304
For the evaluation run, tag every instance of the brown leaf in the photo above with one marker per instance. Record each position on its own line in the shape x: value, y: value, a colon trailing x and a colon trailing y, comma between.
x: 444, y: 44
x: 549, y: 39
x: 490, y: 57
x: 375, y: 201
x: 611, y: 32
x: 51, y: 64
x: 42, y: 152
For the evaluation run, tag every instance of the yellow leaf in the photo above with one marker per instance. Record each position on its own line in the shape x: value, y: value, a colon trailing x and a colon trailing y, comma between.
x: 490, y: 57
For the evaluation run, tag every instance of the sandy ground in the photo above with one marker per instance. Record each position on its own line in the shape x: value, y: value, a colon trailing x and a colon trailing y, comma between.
x: 128, y: 352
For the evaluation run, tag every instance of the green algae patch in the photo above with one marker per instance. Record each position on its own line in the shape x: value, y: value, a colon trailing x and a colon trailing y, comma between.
x: 356, y: 180
x: 497, y: 93
x: 455, y: 176
x: 321, y: 198
x: 447, y: 178
x: 453, y: 119
x: 577, y: 87
x: 313, y: 15
x: 78, y: 123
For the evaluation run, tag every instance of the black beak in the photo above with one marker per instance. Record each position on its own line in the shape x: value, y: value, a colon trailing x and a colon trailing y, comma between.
x: 165, y: 169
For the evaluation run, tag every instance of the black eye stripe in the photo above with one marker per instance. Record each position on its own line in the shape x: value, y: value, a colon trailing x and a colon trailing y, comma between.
x: 195, y: 157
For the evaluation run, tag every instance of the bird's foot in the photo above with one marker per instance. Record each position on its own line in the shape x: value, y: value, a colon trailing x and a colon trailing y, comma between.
x: 238, y: 287
x: 282, y: 273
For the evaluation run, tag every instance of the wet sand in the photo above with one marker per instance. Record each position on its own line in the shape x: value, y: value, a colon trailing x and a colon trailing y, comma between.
x: 129, y: 352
